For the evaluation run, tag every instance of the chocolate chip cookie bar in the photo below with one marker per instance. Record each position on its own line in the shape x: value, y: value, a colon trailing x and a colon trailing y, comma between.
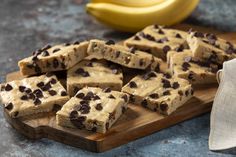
x: 94, y: 73
x: 208, y: 47
x: 93, y: 108
x: 53, y: 58
x: 159, y: 92
x: 33, y: 95
x: 158, y: 40
x: 122, y: 55
x: 183, y: 65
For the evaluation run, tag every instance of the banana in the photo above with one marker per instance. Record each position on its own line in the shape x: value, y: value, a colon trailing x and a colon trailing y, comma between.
x: 131, y: 3
x: 133, y: 19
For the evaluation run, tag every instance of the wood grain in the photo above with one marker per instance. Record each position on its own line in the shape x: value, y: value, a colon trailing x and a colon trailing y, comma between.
x: 136, y: 122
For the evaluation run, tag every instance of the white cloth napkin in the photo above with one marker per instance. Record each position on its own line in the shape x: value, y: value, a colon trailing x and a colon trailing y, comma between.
x: 223, y: 114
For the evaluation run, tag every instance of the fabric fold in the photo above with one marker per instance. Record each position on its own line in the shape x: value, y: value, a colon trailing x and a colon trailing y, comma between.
x: 223, y: 114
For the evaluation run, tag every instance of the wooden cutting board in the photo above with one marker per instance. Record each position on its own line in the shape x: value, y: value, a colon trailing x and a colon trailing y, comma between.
x: 135, y: 123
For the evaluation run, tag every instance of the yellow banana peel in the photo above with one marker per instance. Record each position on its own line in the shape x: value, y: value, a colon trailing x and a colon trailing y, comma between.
x: 133, y: 19
x: 131, y: 3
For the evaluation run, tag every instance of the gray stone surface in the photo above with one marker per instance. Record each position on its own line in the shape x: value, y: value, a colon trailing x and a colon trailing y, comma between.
x: 27, y: 25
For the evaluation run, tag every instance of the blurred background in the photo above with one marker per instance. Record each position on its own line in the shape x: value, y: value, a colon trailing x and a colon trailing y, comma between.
x: 26, y: 25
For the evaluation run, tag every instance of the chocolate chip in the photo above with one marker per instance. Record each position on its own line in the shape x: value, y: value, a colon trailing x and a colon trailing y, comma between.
x: 166, y: 49
x: 156, y: 26
x: 52, y: 92
x: 45, y: 53
x: 117, y: 54
x: 37, y: 101
x: 46, y: 47
x: 190, y: 76
x: 28, y: 90
x: 66, y: 44
x: 198, y: 34
x: 131, y: 98
x: 38, y: 93
x: 175, y: 85
x: 89, y: 64
x: 79, y: 71
x: 136, y: 37
x: 8, y: 87
x: 141, y: 62
x: 2, y: 87
x: 9, y: 106
x: 180, y: 93
x: 63, y: 93
x: 154, y: 96
x: 178, y: 36
x: 149, y: 75
x: 85, y: 74
x: 127, y: 60
x: 37, y: 69
x: 99, y: 107
x: 167, y: 75
x: 230, y: 50
x: 78, y: 121
x: 185, y: 66
x: 162, y: 40
x: 55, y: 63
x: 80, y: 95
x: 53, y: 81
x: 110, y: 42
x: 34, y: 58
x: 96, y: 97
x: 144, y: 103
x: 76, y: 43
x: 111, y: 96
x: 166, y: 83
x: 163, y: 106
x: 192, y: 92
x: 160, y: 31
x: 90, y: 95
x: 73, y: 114
x: 55, y: 50
x: 15, y: 114
x: 125, y: 97
x: 22, y: 89
x: 40, y: 84
x: 82, y: 72
x: 85, y: 108
x: 186, y: 93
x: 24, y: 97
x: 149, y: 37
x: 46, y: 87
x: 107, y: 125
x: 31, y: 96
x: 167, y: 92
x: 132, y: 50
x: 132, y: 84
x: 180, y: 48
x: 107, y: 90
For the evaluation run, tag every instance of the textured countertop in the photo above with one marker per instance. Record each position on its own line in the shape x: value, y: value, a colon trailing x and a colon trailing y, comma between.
x: 27, y: 25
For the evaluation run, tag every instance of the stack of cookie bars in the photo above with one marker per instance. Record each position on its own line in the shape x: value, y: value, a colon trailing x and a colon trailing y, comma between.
x: 95, y: 94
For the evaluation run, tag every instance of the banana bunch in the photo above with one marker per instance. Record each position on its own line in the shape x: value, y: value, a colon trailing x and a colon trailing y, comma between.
x: 134, y: 15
